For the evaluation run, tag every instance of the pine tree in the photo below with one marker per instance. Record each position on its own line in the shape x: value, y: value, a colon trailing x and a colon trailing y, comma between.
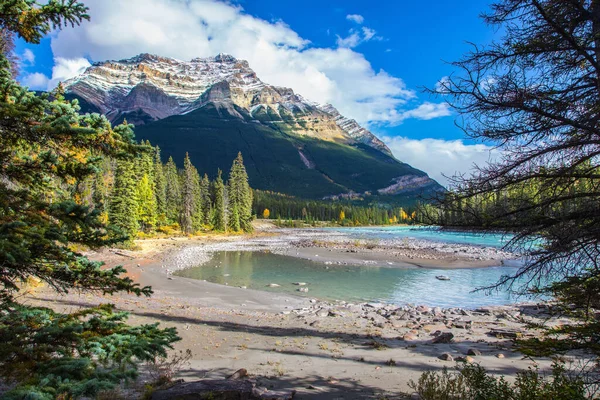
x: 146, y: 204
x: 240, y: 197
x: 47, y: 148
x: 102, y: 187
x: 219, y: 209
x: 124, y: 203
x: 190, y: 189
x: 173, y: 191
x: 198, y: 215
x: 206, y: 202
x: 160, y: 188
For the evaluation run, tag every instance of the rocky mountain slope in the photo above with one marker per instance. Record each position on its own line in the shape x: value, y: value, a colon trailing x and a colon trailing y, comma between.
x: 214, y: 107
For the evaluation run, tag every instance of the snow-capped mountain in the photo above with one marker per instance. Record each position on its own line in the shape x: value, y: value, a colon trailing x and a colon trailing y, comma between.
x: 149, y: 87
x: 213, y: 108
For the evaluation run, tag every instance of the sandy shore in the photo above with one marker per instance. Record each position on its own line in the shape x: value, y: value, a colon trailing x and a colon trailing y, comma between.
x: 321, y: 350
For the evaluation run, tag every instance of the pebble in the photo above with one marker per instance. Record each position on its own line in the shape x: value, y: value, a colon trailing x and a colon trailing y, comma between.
x: 473, y: 352
x: 322, y: 313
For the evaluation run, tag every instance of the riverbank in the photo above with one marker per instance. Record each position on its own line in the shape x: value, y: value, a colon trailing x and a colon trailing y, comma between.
x: 336, y: 248
x: 319, y: 349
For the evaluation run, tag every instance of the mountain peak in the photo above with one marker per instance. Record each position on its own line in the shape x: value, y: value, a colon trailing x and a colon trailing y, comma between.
x: 225, y: 58
x: 155, y: 87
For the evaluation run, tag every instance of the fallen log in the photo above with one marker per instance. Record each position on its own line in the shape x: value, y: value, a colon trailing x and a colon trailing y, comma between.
x: 229, y: 389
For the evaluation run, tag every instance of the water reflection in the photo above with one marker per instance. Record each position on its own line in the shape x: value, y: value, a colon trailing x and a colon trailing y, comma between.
x: 257, y: 270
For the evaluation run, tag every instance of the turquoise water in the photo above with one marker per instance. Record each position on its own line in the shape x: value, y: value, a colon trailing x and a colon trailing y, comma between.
x: 425, y: 233
x: 256, y: 270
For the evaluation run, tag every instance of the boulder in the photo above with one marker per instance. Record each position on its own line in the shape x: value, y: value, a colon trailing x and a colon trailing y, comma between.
x: 446, y: 357
x: 445, y: 337
x: 239, y: 374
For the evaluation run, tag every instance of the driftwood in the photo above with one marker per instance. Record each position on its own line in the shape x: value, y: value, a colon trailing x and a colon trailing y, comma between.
x: 122, y: 254
x: 229, y: 389
x: 506, y: 333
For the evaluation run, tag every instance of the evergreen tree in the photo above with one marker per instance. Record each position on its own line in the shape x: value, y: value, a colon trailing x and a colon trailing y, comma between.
x: 124, y: 202
x: 190, y: 189
x: 206, y: 202
x: 102, y: 186
x: 198, y: 215
x: 160, y: 188
x: 146, y: 204
x: 46, y: 148
x: 219, y: 217
x: 240, y: 197
x: 173, y: 191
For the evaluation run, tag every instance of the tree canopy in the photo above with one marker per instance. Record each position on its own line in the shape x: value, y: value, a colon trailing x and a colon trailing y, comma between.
x: 47, y: 152
x: 535, y: 94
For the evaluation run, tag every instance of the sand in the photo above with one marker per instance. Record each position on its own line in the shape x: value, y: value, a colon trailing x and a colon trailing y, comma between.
x: 321, y: 350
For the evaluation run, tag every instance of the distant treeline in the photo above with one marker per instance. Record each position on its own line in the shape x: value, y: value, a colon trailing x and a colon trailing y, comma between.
x: 278, y: 206
x: 142, y: 195
x: 475, y: 207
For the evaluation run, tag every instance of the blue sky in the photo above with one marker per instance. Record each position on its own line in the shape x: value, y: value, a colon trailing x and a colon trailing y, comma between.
x: 369, y: 59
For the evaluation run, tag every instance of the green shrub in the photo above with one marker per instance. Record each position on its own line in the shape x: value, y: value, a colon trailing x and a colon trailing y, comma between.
x: 472, y: 382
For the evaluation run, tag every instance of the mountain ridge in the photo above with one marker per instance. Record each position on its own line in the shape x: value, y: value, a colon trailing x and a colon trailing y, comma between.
x: 176, y: 87
x: 214, y: 107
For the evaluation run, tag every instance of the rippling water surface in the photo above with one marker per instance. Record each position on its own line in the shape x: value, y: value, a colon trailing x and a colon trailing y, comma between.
x: 425, y: 233
x: 257, y: 270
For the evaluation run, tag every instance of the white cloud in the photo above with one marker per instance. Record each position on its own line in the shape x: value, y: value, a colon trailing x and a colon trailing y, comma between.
x: 204, y: 28
x: 427, y: 111
x: 28, y: 56
x: 356, y: 37
x: 359, y: 19
x: 441, y: 157
x: 63, y: 69
x: 353, y: 40
x: 36, y: 81
x: 368, y: 33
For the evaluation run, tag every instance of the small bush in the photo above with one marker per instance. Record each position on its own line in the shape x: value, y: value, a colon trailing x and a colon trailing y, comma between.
x: 472, y: 382
x: 169, y: 229
x: 163, y: 369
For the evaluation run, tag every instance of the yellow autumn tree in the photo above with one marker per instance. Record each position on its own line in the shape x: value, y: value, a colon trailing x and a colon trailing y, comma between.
x: 342, y: 215
x: 403, y: 215
x: 266, y: 213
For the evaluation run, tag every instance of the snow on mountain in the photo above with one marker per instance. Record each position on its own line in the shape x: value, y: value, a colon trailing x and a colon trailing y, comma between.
x: 158, y: 87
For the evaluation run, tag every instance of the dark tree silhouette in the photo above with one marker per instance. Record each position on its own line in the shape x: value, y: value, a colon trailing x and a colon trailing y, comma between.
x: 535, y: 94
